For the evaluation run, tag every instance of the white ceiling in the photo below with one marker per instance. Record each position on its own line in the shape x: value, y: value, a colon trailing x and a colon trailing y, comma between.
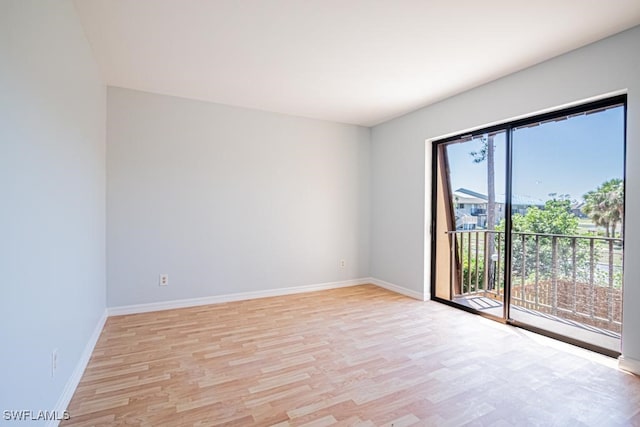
x: 352, y: 61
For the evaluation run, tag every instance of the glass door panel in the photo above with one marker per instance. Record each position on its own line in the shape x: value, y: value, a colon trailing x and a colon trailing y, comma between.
x: 567, y: 215
x: 469, y: 228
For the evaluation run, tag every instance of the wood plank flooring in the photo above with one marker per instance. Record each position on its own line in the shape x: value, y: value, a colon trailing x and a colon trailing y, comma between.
x: 352, y: 356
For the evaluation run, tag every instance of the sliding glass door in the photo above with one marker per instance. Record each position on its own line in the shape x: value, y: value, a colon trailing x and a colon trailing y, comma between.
x: 471, y: 244
x: 567, y: 221
x: 529, y: 220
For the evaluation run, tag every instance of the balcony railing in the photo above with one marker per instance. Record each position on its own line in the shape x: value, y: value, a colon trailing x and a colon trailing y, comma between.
x: 578, y: 278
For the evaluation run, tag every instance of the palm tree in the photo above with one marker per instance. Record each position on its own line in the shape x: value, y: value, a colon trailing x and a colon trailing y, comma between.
x: 605, y: 205
x: 615, y: 202
x: 592, y: 210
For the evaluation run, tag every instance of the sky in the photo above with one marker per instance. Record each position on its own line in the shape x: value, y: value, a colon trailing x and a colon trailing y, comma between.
x: 571, y: 157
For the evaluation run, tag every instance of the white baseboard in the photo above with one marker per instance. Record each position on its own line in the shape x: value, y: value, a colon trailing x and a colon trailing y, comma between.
x: 217, y: 299
x: 398, y: 289
x: 630, y: 365
x: 76, y: 375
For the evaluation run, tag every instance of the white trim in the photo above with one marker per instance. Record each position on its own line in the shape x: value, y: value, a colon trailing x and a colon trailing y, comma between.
x: 398, y: 289
x: 628, y: 364
x: 241, y: 296
x: 540, y: 112
x: 76, y: 376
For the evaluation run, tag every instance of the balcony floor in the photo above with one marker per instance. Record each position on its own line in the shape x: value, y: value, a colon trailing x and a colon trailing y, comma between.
x: 579, y: 331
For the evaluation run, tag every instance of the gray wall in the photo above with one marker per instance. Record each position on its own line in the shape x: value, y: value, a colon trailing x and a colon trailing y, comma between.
x: 52, y: 193
x: 398, y: 248
x: 229, y: 200
x: 222, y: 199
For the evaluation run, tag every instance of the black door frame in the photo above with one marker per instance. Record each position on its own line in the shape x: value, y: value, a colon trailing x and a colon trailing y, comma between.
x: 508, y: 128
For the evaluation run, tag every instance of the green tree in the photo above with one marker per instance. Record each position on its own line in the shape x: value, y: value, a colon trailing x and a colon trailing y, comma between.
x: 487, y: 152
x: 616, y: 201
x: 605, y: 205
x: 555, y: 218
x: 544, y: 232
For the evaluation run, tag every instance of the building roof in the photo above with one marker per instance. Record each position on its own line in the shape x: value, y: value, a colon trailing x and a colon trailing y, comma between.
x: 469, y: 193
x: 517, y: 199
x: 462, y: 195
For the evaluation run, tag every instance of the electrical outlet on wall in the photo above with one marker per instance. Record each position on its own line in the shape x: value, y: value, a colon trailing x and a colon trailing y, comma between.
x: 343, y: 264
x: 164, y: 280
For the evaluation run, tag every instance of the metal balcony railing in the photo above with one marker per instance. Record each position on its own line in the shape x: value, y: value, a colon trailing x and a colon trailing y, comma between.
x: 578, y: 278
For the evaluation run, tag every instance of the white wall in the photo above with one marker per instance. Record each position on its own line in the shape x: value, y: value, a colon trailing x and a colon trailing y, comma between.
x: 229, y: 200
x: 52, y: 193
x: 398, y: 250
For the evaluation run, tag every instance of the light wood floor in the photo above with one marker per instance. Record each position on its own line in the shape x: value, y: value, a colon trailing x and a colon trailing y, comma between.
x: 351, y: 356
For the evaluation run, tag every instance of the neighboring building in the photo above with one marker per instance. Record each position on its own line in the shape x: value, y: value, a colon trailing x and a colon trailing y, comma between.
x: 576, y: 209
x: 470, y: 207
